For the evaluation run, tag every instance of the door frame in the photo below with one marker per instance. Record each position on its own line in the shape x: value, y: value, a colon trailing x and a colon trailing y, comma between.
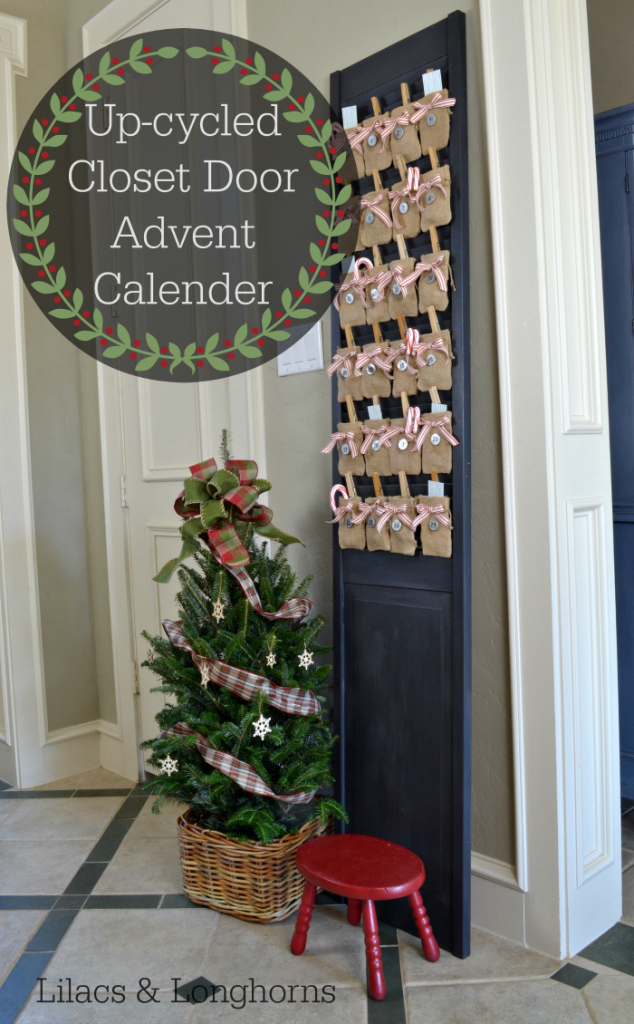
x: 120, y: 748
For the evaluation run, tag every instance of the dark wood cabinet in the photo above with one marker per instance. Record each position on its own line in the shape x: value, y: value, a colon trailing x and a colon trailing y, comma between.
x: 403, y: 624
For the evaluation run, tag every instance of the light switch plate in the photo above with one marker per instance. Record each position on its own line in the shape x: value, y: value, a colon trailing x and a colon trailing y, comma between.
x: 305, y: 355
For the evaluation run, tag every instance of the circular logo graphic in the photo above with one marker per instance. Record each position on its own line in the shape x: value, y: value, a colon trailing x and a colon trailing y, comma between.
x: 175, y: 205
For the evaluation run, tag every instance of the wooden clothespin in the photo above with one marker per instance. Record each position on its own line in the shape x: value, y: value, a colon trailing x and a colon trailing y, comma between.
x: 352, y: 412
x: 352, y: 491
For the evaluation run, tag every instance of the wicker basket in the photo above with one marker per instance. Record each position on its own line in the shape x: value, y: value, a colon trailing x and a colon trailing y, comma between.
x: 252, y: 881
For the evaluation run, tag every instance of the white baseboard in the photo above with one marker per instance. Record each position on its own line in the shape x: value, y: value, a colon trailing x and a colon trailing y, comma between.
x: 497, y: 902
x: 112, y: 750
x: 78, y: 748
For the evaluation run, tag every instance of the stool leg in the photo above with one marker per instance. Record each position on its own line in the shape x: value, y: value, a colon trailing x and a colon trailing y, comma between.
x: 376, y: 981
x: 354, y: 911
x: 298, y: 942
x: 430, y: 946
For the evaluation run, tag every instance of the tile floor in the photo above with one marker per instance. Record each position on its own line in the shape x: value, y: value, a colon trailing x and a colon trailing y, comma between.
x: 90, y: 896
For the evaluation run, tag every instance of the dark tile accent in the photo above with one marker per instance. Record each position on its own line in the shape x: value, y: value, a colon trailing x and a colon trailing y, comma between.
x: 38, y: 794
x: 390, y: 1010
x: 179, y: 901
x: 197, y: 991
x: 141, y: 901
x: 132, y: 806
x: 103, y: 792
x: 51, y: 931
x: 70, y: 902
x: 574, y: 976
x: 85, y: 880
x: 110, y: 841
x: 614, y: 949
x: 387, y: 935
x: 19, y: 984
x: 27, y: 902
x: 5, y: 785
x: 627, y: 804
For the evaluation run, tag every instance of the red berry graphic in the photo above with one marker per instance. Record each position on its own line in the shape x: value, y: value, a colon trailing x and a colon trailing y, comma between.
x: 29, y: 245
x: 291, y: 106
x: 89, y: 78
x: 132, y: 355
x: 73, y: 106
x: 163, y: 362
x: 42, y: 242
x: 319, y: 121
x: 136, y: 342
x: 261, y: 341
x: 40, y: 273
x: 164, y: 350
x: 56, y: 129
x: 312, y: 268
x: 243, y: 71
x: 326, y: 213
x: 307, y: 298
x: 25, y: 179
x: 339, y: 179
x: 214, y: 60
x: 149, y: 61
x: 38, y: 181
x: 147, y: 49
x: 228, y: 343
x: 31, y: 149
x: 332, y: 150
x: 326, y: 181
x: 200, y: 362
x: 108, y: 330
x: 254, y: 330
x: 103, y: 341
x: 200, y: 349
x: 38, y: 213
x: 287, y: 323
x: 322, y: 273
x: 115, y: 60
x: 278, y: 312
x: 45, y: 155
x: 85, y: 313
x: 57, y: 299
x: 23, y: 213
x: 76, y: 323
x: 275, y: 77
x: 95, y: 87
x: 249, y: 60
x: 230, y: 355
x: 52, y: 269
x: 319, y: 154
x: 45, y: 121
x: 268, y: 86
x: 64, y: 99
x: 297, y: 292
x: 217, y: 49
x: 335, y: 245
x: 120, y: 71
x: 300, y: 99
x: 308, y: 128
x: 321, y: 241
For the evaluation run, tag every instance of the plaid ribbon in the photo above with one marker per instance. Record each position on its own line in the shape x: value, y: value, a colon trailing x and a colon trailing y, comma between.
x: 204, y: 470
x: 242, y: 497
x: 239, y: 771
x: 226, y: 545
x: 294, y: 608
x: 246, y: 470
x: 247, y: 685
x: 437, y: 100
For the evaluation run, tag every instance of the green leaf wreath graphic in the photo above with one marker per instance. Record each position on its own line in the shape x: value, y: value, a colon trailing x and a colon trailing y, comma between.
x: 69, y: 304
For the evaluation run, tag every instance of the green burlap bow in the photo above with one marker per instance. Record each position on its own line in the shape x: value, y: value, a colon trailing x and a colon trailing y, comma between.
x: 212, y: 501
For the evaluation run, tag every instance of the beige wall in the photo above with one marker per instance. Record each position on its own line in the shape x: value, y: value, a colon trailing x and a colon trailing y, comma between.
x: 320, y: 38
x: 611, y: 26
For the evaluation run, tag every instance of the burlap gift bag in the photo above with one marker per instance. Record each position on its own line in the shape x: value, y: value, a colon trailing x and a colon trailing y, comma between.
x: 403, y: 453
x: 375, y: 224
x: 346, y: 445
x: 351, y: 534
x: 433, y: 126
x: 433, y: 283
x: 347, y: 383
x: 402, y: 537
x: 435, y: 199
x: 375, y: 379
x: 404, y: 371
x: 433, y: 358
x: 377, y: 152
x: 403, y: 297
x: 437, y: 449
x: 404, y: 139
x: 375, y: 540
x: 376, y: 294
x: 350, y: 303
x: 405, y: 212
x: 377, y: 455
x: 435, y: 534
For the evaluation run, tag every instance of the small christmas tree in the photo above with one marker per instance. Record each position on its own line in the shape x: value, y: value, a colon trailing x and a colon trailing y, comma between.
x: 246, y: 742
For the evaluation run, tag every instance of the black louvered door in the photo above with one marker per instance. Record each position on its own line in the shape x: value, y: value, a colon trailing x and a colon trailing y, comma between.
x: 402, y: 624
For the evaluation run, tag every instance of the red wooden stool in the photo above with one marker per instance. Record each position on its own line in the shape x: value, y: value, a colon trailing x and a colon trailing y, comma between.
x: 363, y: 869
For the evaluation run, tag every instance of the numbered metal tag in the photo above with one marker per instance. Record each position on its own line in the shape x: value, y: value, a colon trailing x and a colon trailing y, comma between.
x: 345, y: 448
x: 376, y: 445
x: 369, y: 217
x: 433, y: 524
x: 401, y: 365
x: 402, y: 444
x: 431, y: 119
x: 435, y: 439
x: 430, y: 359
x: 399, y: 131
x: 396, y: 525
x: 370, y: 369
x: 431, y: 198
x: 403, y: 207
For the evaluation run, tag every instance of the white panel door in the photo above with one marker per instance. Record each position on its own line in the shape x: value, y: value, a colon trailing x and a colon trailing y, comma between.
x: 153, y: 431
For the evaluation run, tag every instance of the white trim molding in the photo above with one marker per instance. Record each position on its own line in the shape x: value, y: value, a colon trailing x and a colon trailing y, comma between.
x: 553, y: 394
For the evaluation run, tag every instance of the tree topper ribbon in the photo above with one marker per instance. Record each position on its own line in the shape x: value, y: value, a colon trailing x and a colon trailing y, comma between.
x: 241, y: 772
x: 212, y: 500
x: 247, y: 685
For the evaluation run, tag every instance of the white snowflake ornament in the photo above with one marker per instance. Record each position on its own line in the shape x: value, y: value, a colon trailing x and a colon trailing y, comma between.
x: 219, y: 611
x: 271, y: 659
x: 169, y: 765
x: 306, y: 658
x: 262, y: 727
x: 205, y: 674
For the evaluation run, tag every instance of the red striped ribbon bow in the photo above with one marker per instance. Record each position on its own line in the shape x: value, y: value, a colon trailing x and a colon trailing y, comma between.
x: 358, y: 136
x: 391, y: 123
x: 373, y: 205
x: 383, y: 358
x: 342, y: 436
x: 380, y: 281
x: 427, y: 511
x: 241, y: 772
x: 247, y: 685
x: 409, y: 192
x: 358, y: 283
x: 434, y: 268
x: 440, y: 425
x: 294, y: 608
x: 388, y: 510
x: 384, y: 434
x: 421, y: 109
x: 404, y: 282
x: 356, y: 515
x: 437, y: 345
x: 426, y: 186
x: 341, y: 360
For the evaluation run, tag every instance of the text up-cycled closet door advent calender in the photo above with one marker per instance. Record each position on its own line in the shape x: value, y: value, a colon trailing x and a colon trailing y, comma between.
x: 400, y: 499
